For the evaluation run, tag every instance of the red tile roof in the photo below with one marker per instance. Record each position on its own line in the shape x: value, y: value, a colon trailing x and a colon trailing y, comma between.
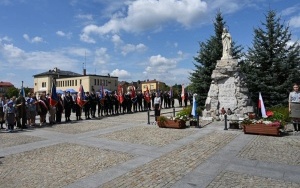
x: 6, y: 84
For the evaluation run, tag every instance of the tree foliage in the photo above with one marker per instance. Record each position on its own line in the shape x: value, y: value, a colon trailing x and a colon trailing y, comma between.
x: 206, y: 60
x: 271, y: 64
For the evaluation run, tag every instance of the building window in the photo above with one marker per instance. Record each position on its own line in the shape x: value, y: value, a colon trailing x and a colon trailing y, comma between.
x: 75, y: 82
x: 80, y: 81
x: 35, y: 84
x: 44, y: 84
x: 115, y: 82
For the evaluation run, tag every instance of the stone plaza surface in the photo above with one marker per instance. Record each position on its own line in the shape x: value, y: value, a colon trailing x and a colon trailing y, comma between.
x: 126, y: 151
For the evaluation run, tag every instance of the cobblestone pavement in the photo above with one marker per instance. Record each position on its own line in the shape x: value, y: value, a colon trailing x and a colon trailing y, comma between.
x: 126, y: 151
x: 232, y: 179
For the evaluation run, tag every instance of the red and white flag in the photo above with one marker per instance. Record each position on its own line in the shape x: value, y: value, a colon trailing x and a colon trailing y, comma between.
x: 147, y: 95
x: 80, y: 97
x: 262, y: 106
x: 182, y: 92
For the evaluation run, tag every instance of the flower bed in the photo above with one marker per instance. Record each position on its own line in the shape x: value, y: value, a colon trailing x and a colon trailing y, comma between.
x: 164, y: 122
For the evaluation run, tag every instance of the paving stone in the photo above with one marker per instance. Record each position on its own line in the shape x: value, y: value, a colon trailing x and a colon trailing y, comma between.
x: 15, y: 139
x: 171, y: 167
x: 56, y: 166
x: 283, y: 150
x: 149, y: 135
x: 232, y: 179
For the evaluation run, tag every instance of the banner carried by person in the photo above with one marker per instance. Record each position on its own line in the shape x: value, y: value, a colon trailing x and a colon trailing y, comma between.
x: 53, y: 97
x: 261, y: 106
x: 120, y: 94
x: 147, y: 95
x: 80, y: 97
x: 182, y: 92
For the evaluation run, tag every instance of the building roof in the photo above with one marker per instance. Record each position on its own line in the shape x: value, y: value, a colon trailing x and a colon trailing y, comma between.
x: 6, y: 84
x: 58, y: 72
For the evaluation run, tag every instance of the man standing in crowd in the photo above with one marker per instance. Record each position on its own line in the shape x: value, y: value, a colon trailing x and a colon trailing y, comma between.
x: 68, y: 104
x: 21, y: 112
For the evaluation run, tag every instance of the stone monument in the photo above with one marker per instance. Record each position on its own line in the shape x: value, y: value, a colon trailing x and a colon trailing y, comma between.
x: 227, y: 88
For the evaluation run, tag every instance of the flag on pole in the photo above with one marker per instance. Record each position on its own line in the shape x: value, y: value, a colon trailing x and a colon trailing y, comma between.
x: 22, y: 92
x: 80, y: 97
x: 53, y: 97
x: 147, y: 95
x: 182, y: 92
x: 120, y: 94
x: 171, y: 92
x: 133, y: 95
x: 102, y: 91
x: 262, y: 106
x: 194, y: 109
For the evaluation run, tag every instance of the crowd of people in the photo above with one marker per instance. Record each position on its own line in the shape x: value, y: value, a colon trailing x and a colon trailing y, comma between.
x: 21, y: 112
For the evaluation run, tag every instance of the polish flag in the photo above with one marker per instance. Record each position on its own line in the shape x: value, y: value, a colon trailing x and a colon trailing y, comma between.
x: 182, y: 92
x: 262, y: 106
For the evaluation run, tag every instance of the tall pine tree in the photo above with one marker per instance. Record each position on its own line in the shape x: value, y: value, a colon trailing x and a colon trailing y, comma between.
x: 271, y: 65
x: 206, y: 60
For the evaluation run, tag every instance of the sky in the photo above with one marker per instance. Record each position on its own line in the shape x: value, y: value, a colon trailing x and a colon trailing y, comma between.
x: 131, y: 39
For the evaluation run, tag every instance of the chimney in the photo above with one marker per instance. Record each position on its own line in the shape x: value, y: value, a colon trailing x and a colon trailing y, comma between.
x: 84, y: 72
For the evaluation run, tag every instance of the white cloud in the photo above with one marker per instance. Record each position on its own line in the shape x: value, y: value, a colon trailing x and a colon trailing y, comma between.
x: 63, y: 34
x: 33, y: 40
x: 101, y: 56
x: 116, y: 39
x: 15, y: 57
x: 5, y: 39
x: 132, y: 48
x: 84, y: 16
x: 295, y: 21
x: 290, y: 10
x: 145, y: 15
x: 122, y: 74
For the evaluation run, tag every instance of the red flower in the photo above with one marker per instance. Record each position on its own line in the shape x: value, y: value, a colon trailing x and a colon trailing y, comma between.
x: 269, y: 113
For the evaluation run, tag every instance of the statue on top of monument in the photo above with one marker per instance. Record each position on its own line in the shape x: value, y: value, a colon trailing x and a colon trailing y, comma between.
x: 226, y: 41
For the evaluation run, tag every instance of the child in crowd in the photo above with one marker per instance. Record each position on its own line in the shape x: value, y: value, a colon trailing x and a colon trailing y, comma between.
x: 10, y: 115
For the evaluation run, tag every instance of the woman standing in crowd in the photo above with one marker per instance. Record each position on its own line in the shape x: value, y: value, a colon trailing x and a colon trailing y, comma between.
x: 294, y: 106
x: 31, y: 110
x: 2, y: 103
x: 43, y: 108
x: 157, y: 106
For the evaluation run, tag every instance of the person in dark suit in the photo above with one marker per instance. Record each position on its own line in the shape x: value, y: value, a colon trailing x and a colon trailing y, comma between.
x: 68, y: 104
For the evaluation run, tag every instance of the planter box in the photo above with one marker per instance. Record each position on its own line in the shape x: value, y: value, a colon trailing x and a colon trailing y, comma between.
x: 177, y: 124
x: 262, y: 129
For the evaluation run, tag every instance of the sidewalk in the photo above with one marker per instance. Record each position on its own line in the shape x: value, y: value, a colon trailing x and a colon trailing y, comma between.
x: 126, y: 151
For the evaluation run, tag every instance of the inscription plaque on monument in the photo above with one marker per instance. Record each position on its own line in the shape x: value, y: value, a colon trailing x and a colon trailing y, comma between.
x: 227, y: 90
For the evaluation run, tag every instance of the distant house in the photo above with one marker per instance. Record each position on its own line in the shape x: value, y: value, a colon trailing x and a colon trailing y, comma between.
x: 71, y: 80
x: 153, y: 85
x: 4, y: 86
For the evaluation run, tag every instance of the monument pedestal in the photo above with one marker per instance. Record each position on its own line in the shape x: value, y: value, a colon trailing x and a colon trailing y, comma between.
x: 227, y: 90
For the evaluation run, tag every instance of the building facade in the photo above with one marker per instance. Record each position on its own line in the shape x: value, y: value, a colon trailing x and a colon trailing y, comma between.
x: 70, y: 80
x: 153, y: 85
x: 4, y: 86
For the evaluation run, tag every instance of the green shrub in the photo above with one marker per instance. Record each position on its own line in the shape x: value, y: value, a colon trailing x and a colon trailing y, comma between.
x: 280, y: 113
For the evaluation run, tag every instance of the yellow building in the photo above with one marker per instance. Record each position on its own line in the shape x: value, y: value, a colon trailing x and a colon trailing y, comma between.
x: 153, y: 85
x: 70, y: 80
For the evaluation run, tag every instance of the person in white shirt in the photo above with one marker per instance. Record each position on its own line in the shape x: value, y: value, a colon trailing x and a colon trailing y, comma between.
x: 294, y: 106
x: 157, y: 106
